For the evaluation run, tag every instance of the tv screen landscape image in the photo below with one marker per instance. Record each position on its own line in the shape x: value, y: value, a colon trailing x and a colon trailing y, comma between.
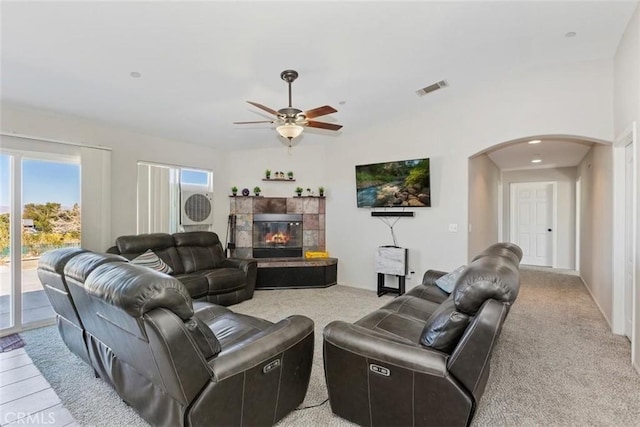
x: 403, y: 183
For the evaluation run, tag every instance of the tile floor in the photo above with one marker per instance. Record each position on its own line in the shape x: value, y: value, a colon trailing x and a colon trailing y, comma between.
x: 26, y: 398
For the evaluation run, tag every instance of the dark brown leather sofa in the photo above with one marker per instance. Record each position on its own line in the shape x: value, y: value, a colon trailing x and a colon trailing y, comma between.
x: 423, y: 358
x: 199, y: 262
x: 175, y: 361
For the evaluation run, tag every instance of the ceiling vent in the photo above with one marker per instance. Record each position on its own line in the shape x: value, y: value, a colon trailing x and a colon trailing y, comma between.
x: 431, y: 88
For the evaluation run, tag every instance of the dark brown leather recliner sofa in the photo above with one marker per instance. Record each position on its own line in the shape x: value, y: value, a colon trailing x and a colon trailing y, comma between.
x: 423, y: 358
x: 175, y: 361
x: 198, y: 260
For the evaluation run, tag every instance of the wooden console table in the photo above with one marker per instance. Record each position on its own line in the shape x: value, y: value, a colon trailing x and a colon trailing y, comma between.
x: 295, y: 273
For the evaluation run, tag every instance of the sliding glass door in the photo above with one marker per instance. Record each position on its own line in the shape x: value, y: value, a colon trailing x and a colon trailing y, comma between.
x: 6, y: 289
x: 39, y: 211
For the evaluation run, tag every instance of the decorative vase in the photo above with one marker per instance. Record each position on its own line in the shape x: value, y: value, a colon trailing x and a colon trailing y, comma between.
x: 245, y: 192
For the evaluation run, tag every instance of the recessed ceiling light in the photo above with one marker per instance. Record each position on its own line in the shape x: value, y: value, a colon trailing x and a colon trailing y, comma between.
x: 570, y: 34
x: 536, y: 161
x: 135, y: 74
x: 535, y: 141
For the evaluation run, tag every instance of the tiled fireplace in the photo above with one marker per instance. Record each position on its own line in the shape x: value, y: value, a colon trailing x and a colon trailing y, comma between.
x: 272, y: 227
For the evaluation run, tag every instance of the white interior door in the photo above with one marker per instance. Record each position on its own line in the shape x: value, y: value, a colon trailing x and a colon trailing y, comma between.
x: 628, y: 244
x: 532, y: 221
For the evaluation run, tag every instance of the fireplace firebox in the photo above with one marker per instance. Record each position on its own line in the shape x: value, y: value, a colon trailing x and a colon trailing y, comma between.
x: 277, y: 235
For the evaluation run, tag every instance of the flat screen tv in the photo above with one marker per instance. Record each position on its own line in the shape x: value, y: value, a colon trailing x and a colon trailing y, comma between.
x: 403, y: 183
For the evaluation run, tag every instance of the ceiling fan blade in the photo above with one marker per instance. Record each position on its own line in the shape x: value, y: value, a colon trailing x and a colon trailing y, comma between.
x: 323, y: 125
x: 320, y: 111
x: 259, y: 121
x: 262, y: 107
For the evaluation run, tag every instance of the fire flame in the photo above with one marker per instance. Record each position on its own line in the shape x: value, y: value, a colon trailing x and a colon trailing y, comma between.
x: 279, y: 237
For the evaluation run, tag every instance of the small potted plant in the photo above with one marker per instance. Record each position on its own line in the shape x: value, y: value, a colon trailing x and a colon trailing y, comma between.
x: 267, y: 174
x: 290, y: 175
x: 299, y: 191
x: 234, y: 191
x: 321, y: 191
x: 256, y: 190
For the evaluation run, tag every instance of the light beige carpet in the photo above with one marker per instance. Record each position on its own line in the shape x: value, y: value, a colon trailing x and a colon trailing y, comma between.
x: 556, y: 362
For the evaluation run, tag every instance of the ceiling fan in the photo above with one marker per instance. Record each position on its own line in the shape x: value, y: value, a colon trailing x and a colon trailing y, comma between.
x: 291, y: 120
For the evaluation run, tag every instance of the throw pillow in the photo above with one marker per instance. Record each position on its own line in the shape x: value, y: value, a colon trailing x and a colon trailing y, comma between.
x: 448, y: 281
x: 150, y: 260
x: 444, y: 328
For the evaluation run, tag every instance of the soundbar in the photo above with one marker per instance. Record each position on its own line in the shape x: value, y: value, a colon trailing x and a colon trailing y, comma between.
x: 391, y: 213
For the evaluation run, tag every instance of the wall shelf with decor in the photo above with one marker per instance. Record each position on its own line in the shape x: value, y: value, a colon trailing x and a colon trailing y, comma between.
x: 279, y: 179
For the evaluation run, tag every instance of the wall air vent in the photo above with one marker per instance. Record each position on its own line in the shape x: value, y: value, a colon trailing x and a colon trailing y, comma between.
x: 431, y: 88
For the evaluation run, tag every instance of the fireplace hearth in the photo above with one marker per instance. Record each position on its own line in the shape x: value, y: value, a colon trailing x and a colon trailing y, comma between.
x: 277, y: 235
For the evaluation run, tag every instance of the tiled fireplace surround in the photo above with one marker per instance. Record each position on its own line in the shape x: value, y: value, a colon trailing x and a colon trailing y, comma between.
x: 311, y: 208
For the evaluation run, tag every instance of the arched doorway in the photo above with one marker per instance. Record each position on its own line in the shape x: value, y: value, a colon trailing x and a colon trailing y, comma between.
x: 591, y: 220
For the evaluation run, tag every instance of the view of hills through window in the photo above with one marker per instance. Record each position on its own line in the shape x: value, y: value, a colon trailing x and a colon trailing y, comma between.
x: 50, y: 218
x: 51, y: 205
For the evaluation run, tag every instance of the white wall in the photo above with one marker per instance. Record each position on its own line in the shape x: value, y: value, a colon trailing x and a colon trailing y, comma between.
x: 566, y: 197
x: 596, y: 175
x: 573, y: 99
x: 307, y: 162
x: 484, y: 182
x: 127, y: 149
x: 447, y: 127
x: 627, y: 111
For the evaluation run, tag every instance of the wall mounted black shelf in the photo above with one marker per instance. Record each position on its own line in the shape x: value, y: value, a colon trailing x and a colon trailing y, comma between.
x: 385, y: 213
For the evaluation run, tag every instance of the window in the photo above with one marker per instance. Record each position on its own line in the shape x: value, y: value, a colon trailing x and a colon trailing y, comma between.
x: 163, y: 193
x: 42, y: 194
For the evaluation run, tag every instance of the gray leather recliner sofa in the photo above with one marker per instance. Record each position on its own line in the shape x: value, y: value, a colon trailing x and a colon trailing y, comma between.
x: 175, y: 361
x: 197, y: 259
x: 423, y: 358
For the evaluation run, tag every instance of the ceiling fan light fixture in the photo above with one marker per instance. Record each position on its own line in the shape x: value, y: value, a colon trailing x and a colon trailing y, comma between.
x: 289, y: 130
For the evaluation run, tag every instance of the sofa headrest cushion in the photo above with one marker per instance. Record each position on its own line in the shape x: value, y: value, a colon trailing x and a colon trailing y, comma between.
x: 140, y: 243
x: 490, y: 277
x: 444, y: 327
x: 506, y: 249
x: 56, y: 259
x: 196, y: 238
x: 80, y: 266
x: 137, y: 290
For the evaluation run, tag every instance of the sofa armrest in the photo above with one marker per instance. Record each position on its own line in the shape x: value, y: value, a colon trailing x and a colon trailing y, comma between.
x: 373, y: 345
x: 250, y: 268
x: 430, y: 276
x: 261, y: 348
x: 244, y: 264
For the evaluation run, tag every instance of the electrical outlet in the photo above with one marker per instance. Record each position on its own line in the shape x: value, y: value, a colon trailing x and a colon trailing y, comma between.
x: 453, y: 228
